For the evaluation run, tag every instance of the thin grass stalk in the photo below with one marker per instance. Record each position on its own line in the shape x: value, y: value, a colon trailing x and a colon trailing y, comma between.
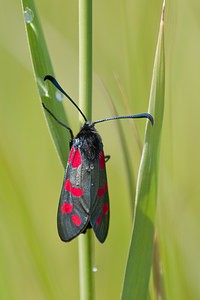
x: 127, y: 159
x: 85, y: 103
x: 132, y: 122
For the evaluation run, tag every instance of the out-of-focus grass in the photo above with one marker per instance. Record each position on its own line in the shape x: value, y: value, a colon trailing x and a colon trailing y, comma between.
x: 30, y: 165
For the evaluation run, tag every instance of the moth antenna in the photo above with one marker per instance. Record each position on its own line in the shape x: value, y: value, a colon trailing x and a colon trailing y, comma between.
x: 59, y: 122
x: 56, y: 84
x: 145, y: 115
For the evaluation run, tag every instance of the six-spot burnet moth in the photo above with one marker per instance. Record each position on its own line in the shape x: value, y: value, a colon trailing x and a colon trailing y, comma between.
x: 84, y: 201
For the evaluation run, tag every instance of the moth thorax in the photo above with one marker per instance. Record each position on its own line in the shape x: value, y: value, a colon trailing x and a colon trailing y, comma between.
x: 90, y: 142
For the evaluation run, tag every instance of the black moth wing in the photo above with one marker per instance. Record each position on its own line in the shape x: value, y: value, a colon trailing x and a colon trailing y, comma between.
x: 99, y: 198
x: 74, y: 208
x: 84, y: 201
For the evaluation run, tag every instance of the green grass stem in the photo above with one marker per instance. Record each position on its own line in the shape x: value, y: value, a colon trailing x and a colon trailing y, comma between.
x: 85, y: 104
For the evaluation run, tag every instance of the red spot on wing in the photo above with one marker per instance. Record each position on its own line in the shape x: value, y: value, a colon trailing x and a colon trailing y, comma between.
x: 98, y: 222
x: 70, y: 155
x: 68, y: 186
x: 101, y: 191
x: 77, y: 192
x: 101, y: 160
x: 76, y: 159
x: 105, y: 209
x: 76, y: 220
x: 66, y: 208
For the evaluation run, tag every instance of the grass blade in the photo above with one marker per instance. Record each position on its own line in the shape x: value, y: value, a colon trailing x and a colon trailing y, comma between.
x: 136, y: 279
x: 42, y: 66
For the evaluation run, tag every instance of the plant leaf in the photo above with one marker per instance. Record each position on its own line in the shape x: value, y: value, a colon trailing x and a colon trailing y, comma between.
x: 42, y: 66
x: 136, y: 279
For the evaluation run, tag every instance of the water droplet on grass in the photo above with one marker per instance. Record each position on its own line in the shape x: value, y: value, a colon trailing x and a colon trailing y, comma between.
x: 94, y: 269
x: 59, y: 96
x: 28, y: 15
x: 43, y: 91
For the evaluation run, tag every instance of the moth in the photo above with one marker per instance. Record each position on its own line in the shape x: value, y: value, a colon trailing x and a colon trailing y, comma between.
x: 84, y: 199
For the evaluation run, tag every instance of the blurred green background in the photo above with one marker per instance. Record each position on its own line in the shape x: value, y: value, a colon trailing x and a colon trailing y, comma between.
x: 34, y: 263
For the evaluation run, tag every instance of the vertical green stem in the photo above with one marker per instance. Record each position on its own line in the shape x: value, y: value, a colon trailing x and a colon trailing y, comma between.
x: 85, y: 103
x: 85, y: 57
x: 85, y: 266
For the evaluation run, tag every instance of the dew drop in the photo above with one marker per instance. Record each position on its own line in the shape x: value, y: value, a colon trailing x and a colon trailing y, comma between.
x: 94, y: 269
x: 43, y: 91
x: 59, y: 96
x: 28, y: 15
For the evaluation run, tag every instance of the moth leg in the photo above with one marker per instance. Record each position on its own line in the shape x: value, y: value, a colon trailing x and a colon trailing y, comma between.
x: 59, y: 122
x: 106, y: 157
